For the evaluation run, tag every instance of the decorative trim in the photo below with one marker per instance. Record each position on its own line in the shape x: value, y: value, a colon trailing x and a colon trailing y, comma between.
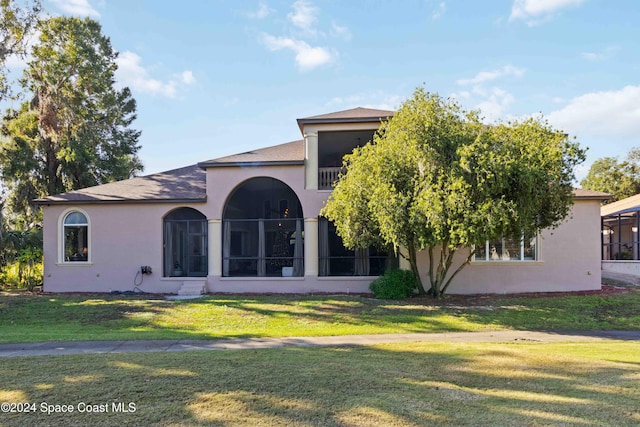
x: 47, y: 202
x: 60, y: 234
x: 205, y: 165
x: 514, y: 262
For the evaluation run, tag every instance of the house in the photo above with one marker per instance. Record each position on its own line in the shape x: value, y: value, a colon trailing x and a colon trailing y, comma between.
x: 250, y: 223
x: 620, y: 242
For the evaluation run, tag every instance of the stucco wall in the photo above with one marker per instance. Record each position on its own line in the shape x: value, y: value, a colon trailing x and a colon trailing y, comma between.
x: 123, y: 238
x: 624, y: 267
x: 568, y: 260
x: 127, y: 236
x: 221, y: 181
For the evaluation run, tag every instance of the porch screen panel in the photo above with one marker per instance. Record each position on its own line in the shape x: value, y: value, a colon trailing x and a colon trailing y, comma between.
x: 185, y: 244
x: 334, y: 259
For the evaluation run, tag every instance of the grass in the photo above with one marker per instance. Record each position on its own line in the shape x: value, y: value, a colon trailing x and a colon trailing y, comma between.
x: 42, y: 317
x: 409, y: 384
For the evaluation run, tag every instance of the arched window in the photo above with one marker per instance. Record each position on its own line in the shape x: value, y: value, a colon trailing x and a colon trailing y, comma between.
x: 75, y: 229
x: 185, y: 244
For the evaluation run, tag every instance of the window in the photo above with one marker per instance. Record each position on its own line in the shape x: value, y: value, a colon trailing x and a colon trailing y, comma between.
x: 75, y: 232
x: 525, y: 249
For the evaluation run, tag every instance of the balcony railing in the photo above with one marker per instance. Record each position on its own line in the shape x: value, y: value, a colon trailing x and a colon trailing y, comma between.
x: 327, y: 177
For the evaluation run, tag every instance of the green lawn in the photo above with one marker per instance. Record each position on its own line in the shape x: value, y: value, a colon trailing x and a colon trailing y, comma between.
x: 410, y: 384
x: 29, y: 318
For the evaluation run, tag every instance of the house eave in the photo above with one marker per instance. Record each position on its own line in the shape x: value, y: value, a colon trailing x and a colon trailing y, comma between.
x: 303, y: 122
x: 45, y: 202
x: 206, y: 165
x: 591, y: 197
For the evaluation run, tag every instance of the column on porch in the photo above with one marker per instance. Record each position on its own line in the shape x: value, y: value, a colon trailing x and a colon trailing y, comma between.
x: 311, y: 160
x: 215, y: 247
x: 311, y: 246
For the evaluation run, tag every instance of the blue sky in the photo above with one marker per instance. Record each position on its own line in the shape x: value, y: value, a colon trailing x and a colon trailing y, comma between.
x: 213, y: 78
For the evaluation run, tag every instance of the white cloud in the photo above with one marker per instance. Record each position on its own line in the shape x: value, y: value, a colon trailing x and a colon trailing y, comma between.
x: 76, y: 7
x: 307, y: 57
x: 304, y: 15
x: 606, y: 113
x: 341, y: 31
x: 439, y: 11
x: 485, y: 76
x: 592, y: 56
x: 302, y: 21
x: 131, y: 73
x: 391, y: 103
x: 494, y: 106
x: 535, y: 12
x: 262, y: 12
x: 461, y: 96
x: 599, y: 56
x: 491, y: 101
x: 377, y: 100
x: 187, y: 77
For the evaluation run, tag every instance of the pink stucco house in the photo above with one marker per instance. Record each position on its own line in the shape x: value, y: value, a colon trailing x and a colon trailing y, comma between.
x: 250, y: 223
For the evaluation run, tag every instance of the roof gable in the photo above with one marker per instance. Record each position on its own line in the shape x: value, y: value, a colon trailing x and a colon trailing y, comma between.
x: 353, y: 115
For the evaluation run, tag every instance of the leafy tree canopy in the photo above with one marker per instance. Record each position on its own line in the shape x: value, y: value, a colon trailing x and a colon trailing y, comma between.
x: 76, y: 130
x: 621, y: 179
x: 17, y: 19
x: 436, y: 178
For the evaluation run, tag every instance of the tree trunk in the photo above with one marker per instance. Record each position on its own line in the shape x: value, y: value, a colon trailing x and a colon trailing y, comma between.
x: 414, y: 268
x: 52, y: 164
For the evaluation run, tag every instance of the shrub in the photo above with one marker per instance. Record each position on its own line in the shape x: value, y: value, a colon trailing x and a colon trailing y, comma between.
x: 21, y: 259
x: 394, y: 284
x: 22, y: 275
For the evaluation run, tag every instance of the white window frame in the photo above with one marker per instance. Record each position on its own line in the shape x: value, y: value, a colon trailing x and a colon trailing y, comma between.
x: 488, y: 259
x: 61, y: 238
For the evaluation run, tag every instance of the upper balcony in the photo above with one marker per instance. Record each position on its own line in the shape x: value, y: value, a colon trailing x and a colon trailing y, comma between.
x: 332, y: 147
x: 328, y: 137
x: 327, y: 177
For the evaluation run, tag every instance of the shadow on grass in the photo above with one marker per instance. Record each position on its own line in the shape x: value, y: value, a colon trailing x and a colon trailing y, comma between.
x: 411, y: 384
x: 29, y: 318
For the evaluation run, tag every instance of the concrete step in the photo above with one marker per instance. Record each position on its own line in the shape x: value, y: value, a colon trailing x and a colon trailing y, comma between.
x: 193, y: 287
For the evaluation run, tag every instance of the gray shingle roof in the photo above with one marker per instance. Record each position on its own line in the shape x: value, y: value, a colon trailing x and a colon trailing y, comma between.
x: 358, y: 113
x: 579, y: 193
x: 354, y: 115
x: 187, y: 184
x: 290, y: 153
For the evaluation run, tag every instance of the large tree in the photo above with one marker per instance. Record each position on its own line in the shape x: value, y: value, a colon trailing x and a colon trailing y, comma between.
x: 621, y: 179
x: 76, y: 131
x: 17, y: 20
x: 436, y: 178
